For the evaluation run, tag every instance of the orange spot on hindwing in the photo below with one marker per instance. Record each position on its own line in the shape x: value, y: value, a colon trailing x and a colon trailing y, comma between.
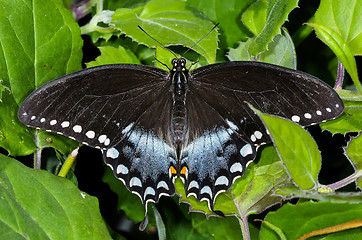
x: 173, y: 170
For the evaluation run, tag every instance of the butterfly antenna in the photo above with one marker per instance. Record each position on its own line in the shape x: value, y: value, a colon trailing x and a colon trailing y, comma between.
x: 163, y: 64
x: 157, y: 42
x: 201, y: 39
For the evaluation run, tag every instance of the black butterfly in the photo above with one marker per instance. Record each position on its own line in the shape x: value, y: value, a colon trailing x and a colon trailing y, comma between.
x: 153, y: 126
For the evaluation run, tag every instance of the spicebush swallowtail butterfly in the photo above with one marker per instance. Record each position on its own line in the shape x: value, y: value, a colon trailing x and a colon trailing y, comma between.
x: 153, y: 125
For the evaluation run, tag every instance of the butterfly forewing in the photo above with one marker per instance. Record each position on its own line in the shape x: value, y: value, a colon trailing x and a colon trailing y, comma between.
x: 272, y: 89
x: 95, y: 105
x: 115, y: 108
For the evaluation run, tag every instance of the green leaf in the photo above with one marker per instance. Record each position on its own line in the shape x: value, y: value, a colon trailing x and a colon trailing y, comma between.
x: 35, y: 48
x: 254, y: 192
x: 338, y: 25
x: 217, y: 228
x: 296, y: 148
x: 171, y: 23
x: 351, y: 119
x: 227, y: 13
x: 2, y: 89
x: 164, y: 57
x: 341, y: 49
x: 354, y: 154
x: 309, y: 216
x: 265, y: 19
x: 281, y: 51
x: 111, y: 55
x: 241, y: 53
x: 161, y: 230
x: 63, y: 144
x: 38, y: 205
x: 114, y: 4
x: 344, y: 17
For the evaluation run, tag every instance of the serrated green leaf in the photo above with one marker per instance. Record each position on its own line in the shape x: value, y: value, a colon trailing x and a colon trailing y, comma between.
x: 296, y: 148
x: 171, y: 23
x: 241, y: 53
x: 111, y: 55
x: 281, y: 51
x: 35, y: 48
x: 341, y: 49
x: 227, y: 13
x: 351, y: 119
x: 309, y: 216
x: 38, y: 205
x: 273, y: 17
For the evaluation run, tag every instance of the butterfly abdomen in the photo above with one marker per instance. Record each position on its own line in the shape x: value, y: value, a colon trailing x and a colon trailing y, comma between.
x: 178, y: 109
x: 178, y: 120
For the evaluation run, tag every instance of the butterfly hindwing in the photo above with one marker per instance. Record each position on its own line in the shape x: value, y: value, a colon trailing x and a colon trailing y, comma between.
x: 214, y: 155
x: 143, y: 158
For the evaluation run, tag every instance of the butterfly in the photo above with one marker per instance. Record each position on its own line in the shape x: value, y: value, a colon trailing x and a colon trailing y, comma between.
x: 154, y: 125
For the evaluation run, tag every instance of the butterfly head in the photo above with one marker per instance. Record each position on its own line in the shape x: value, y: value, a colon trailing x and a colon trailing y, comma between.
x: 179, y: 65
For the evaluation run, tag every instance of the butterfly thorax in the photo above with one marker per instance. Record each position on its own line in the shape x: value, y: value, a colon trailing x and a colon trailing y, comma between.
x: 179, y: 89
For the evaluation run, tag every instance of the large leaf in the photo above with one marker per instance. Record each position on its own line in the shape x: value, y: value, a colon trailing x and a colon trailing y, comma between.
x: 227, y: 13
x: 39, y: 41
x: 171, y: 23
x: 38, y: 205
x: 111, y: 55
x: 344, y: 17
x: 265, y: 18
x: 338, y: 24
x: 304, y: 218
x: 296, y: 148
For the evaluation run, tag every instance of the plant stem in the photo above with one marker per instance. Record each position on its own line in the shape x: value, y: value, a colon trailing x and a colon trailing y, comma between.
x: 340, y: 75
x: 37, y: 155
x: 68, y: 163
x: 243, y: 221
x: 345, y: 181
